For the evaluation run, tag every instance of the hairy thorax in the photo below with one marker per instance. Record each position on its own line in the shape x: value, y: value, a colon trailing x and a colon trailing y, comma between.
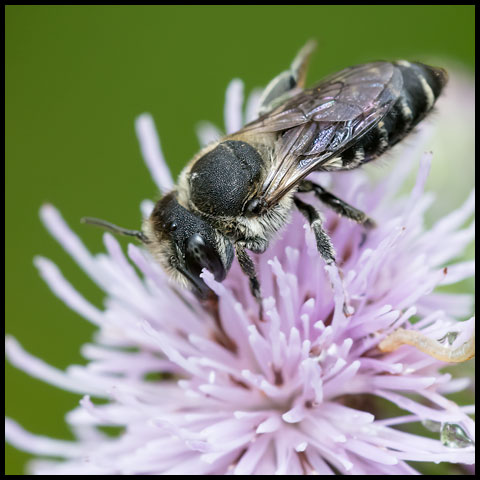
x: 220, y: 182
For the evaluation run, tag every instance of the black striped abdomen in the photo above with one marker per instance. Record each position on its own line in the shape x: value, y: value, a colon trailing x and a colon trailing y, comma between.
x: 422, y: 85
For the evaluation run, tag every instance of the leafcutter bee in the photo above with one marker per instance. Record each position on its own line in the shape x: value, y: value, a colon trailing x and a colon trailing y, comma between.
x: 236, y: 193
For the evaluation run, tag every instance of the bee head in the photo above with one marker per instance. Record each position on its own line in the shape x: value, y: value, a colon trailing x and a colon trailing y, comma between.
x: 184, y: 244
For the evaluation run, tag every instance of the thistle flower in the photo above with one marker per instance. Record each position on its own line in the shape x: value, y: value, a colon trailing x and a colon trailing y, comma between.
x: 293, y: 393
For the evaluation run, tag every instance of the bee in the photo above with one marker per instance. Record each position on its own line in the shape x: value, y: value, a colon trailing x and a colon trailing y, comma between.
x: 236, y: 193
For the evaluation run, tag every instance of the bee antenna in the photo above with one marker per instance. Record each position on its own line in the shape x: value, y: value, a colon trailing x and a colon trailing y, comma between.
x: 115, y: 228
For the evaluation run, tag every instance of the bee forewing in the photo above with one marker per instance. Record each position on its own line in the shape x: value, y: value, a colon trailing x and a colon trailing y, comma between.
x: 324, y: 120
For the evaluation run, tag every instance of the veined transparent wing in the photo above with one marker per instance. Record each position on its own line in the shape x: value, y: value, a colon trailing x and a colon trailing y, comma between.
x: 322, y: 121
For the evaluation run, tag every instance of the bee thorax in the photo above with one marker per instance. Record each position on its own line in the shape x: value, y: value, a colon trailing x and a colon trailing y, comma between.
x: 256, y: 231
x: 223, y: 179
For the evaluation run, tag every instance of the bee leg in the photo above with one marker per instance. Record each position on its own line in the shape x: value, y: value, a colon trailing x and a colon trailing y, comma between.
x: 289, y: 82
x: 299, y: 66
x: 324, y: 244
x: 210, y: 305
x: 248, y: 268
x: 337, y: 204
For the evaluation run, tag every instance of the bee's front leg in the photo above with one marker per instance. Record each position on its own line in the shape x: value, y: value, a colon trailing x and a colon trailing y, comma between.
x: 248, y: 268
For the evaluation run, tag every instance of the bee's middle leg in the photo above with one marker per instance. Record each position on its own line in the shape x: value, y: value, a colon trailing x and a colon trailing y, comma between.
x: 324, y: 244
x: 337, y: 204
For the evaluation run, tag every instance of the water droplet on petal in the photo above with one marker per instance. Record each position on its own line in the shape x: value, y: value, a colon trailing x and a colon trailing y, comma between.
x: 448, y: 338
x: 454, y: 436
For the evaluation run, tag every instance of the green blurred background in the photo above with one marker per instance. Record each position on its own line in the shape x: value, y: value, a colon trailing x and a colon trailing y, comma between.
x: 76, y: 78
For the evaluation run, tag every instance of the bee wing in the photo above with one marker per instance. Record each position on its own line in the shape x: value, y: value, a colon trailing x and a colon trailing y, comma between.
x: 321, y: 122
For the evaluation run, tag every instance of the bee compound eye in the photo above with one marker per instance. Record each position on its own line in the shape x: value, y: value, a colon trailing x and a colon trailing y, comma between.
x: 199, y: 255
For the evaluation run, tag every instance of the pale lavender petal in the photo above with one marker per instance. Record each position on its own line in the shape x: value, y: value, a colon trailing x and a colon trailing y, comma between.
x: 253, y: 104
x: 233, y: 106
x: 208, y: 133
x: 39, y: 369
x: 62, y: 289
x: 39, y: 445
x: 152, y: 152
x: 146, y: 207
x: 59, y: 229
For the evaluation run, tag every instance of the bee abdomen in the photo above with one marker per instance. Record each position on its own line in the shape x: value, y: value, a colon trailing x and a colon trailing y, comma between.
x: 422, y: 86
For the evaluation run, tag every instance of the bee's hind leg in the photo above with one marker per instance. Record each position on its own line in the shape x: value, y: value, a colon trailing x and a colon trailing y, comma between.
x: 287, y: 83
x: 337, y: 204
